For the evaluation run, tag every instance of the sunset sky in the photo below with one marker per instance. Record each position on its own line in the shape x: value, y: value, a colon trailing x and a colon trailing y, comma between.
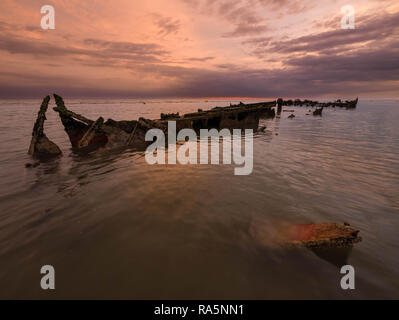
x: 204, y: 48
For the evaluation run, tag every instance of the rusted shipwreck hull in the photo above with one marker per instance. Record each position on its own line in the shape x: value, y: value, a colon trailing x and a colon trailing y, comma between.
x: 88, y: 135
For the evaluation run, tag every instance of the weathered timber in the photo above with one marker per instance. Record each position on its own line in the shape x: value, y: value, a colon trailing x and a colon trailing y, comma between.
x: 322, y: 235
x: 91, y: 133
x: 131, y: 137
x: 86, y: 135
x: 42, y: 147
x: 74, y: 124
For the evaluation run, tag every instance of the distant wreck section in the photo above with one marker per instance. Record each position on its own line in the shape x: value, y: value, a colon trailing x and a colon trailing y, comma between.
x: 348, y: 104
x: 88, y: 135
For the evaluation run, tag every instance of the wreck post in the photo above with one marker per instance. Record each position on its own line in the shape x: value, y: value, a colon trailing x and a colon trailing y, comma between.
x: 279, y: 105
x: 318, y: 112
x: 41, y: 146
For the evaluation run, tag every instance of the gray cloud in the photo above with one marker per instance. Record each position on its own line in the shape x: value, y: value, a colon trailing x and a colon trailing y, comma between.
x: 374, y: 29
x: 91, y: 48
x: 242, y: 30
x: 201, y: 59
x: 167, y: 25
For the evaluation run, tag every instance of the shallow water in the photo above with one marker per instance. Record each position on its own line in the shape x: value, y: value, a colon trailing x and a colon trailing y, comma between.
x: 115, y: 227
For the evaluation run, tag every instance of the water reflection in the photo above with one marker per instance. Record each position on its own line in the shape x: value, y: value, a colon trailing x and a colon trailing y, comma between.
x: 120, y: 228
x: 336, y: 256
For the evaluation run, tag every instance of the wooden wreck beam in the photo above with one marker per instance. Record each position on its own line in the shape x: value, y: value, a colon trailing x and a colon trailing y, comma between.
x: 131, y: 136
x: 75, y: 125
x: 61, y: 109
x: 40, y: 145
x: 91, y: 133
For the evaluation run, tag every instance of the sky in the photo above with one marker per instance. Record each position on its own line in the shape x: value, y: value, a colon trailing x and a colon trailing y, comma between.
x: 199, y: 48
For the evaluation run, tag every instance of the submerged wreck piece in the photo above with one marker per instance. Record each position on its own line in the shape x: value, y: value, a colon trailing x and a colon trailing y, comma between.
x: 322, y: 235
x: 42, y: 147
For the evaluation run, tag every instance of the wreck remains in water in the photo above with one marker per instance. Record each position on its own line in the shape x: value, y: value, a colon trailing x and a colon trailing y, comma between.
x: 88, y: 135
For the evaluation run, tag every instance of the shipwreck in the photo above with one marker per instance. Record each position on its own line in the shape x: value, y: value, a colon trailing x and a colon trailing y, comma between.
x: 87, y: 135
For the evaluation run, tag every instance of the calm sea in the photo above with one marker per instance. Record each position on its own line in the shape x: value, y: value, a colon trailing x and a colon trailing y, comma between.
x: 115, y: 227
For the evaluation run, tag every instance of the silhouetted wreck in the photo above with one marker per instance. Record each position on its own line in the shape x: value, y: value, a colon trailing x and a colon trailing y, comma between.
x: 87, y: 135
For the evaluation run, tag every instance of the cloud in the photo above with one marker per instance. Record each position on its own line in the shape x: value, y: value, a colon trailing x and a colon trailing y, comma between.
x: 90, y: 48
x: 167, y: 25
x: 244, y: 17
x: 242, y: 30
x: 201, y: 59
x: 372, y: 33
x: 371, y: 29
x: 126, y: 47
x: 236, y: 48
